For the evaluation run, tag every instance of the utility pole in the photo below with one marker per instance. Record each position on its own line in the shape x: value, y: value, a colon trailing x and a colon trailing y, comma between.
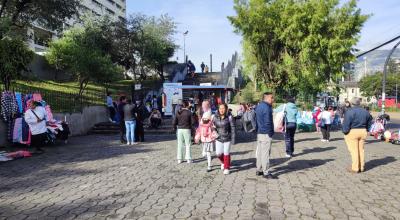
x: 184, y: 45
x: 210, y: 63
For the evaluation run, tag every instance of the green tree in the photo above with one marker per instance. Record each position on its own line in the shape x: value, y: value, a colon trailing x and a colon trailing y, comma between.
x: 81, y: 52
x: 14, y: 58
x: 145, y: 44
x: 297, y: 45
x: 372, y: 85
x: 52, y: 14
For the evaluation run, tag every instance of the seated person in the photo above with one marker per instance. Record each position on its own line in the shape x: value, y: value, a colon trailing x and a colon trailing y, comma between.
x: 155, y: 118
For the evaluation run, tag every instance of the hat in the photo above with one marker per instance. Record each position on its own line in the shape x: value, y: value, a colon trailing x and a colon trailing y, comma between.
x: 207, y: 115
x: 355, y: 101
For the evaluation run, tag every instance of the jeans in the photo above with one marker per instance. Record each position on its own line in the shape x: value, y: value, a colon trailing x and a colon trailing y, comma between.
x: 184, y: 139
x: 289, y: 137
x: 326, y: 131
x: 130, y: 131
x: 263, y: 152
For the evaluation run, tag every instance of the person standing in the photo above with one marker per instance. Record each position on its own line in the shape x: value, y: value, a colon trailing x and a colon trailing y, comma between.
x: 110, y: 106
x: 130, y: 122
x: 325, y: 121
x: 122, y: 129
x: 291, y: 124
x: 183, y: 123
x: 141, y: 115
x: 225, y: 128
x: 206, y: 70
x: 203, y: 66
x: 265, y: 131
x: 356, y: 124
x: 36, y: 118
x: 315, y: 115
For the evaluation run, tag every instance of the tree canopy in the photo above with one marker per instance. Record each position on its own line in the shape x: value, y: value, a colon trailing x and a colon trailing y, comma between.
x: 51, y: 14
x: 297, y: 45
x: 83, y: 52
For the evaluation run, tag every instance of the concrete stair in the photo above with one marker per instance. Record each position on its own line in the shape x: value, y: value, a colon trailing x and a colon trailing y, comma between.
x: 112, y: 128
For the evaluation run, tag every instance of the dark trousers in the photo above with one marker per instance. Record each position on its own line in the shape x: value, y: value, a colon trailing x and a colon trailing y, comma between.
x: 139, y: 132
x: 37, y: 141
x: 112, y: 112
x: 122, y: 131
x: 155, y: 122
x: 289, y: 137
x: 326, y: 132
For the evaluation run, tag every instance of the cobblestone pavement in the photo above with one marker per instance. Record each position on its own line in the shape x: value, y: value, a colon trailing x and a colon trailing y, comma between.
x: 96, y: 178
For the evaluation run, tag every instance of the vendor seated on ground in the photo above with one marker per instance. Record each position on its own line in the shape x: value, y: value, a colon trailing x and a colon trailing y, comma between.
x: 155, y: 118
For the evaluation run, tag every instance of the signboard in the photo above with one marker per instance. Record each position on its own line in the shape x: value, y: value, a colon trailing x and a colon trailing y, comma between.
x: 173, y: 96
x: 138, y: 86
x: 205, y: 84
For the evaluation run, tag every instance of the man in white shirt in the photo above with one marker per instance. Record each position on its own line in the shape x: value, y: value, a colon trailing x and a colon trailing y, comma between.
x: 36, y: 118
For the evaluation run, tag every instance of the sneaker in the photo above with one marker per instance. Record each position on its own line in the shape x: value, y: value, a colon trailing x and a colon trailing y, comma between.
x: 204, y: 154
x: 134, y: 143
x: 269, y: 176
x: 110, y: 120
x: 259, y: 173
x: 226, y: 172
x: 222, y: 167
x: 288, y: 156
x: 323, y: 140
x: 179, y: 161
x: 128, y: 143
x: 208, y: 169
x: 326, y: 140
x: 189, y: 161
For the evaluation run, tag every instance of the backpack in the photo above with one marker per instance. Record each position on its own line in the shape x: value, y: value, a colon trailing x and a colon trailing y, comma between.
x: 279, y: 120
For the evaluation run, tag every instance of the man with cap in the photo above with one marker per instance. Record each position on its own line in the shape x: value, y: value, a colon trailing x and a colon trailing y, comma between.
x: 36, y: 118
x: 356, y: 124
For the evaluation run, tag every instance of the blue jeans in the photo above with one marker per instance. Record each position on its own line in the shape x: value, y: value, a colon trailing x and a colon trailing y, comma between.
x: 289, y: 137
x: 130, y: 131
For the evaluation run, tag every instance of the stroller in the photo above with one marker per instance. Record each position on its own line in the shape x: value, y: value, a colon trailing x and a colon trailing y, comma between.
x: 378, y: 128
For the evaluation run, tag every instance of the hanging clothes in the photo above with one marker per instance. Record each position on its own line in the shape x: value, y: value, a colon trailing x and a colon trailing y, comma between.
x: 17, y: 131
x: 18, y: 98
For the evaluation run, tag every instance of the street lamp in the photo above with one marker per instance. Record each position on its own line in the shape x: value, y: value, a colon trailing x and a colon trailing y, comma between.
x: 184, y: 45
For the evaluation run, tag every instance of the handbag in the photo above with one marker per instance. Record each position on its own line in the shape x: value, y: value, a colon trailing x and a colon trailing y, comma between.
x: 279, y: 120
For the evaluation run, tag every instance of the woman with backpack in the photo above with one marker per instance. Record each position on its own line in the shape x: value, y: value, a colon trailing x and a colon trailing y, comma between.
x: 291, y: 113
x: 225, y: 128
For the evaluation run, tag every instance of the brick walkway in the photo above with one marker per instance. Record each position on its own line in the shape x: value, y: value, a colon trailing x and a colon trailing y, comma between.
x: 96, y: 178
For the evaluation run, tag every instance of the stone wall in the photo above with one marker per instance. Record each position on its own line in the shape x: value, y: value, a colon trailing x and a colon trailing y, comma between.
x: 79, y: 123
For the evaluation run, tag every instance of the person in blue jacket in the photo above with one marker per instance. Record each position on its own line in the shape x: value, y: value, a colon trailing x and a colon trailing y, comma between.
x: 265, y: 131
x: 291, y: 113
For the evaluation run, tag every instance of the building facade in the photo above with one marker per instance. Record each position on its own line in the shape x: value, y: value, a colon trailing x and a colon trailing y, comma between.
x: 40, y: 37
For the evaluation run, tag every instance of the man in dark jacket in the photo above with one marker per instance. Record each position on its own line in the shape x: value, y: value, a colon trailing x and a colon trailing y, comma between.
x: 265, y: 131
x: 183, y: 123
x: 122, y: 130
x: 356, y: 124
x: 141, y: 116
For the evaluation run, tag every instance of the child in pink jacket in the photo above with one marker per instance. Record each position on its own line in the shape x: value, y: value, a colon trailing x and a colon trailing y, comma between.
x: 207, y: 135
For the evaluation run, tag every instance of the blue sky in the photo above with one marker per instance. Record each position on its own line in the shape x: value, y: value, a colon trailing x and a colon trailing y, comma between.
x: 211, y: 32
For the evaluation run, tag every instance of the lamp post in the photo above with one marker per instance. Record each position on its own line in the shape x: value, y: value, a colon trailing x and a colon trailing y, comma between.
x: 184, y: 45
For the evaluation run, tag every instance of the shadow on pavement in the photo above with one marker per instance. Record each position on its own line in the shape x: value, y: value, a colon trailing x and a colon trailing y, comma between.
x: 315, y: 150
x: 378, y: 162
x: 306, y: 139
x: 299, y: 165
x: 242, y: 165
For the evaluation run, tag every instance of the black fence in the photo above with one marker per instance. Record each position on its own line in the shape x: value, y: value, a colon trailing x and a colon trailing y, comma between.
x: 61, y: 101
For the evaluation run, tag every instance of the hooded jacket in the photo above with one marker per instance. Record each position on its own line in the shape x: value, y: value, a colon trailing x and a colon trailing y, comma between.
x: 291, y: 112
x: 225, y: 128
x: 183, y: 119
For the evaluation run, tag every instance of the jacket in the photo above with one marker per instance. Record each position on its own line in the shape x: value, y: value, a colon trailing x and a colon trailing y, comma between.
x: 205, y: 133
x: 225, y: 128
x: 291, y: 112
x: 356, y: 117
x: 183, y: 119
x: 129, y: 112
x: 32, y: 120
x: 121, y: 110
x: 265, y: 123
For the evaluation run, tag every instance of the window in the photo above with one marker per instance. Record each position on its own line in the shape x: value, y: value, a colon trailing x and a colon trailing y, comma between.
x: 98, y: 4
x: 352, y: 90
x: 111, y: 12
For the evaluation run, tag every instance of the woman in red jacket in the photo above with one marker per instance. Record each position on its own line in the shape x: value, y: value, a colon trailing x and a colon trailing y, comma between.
x: 316, y: 113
